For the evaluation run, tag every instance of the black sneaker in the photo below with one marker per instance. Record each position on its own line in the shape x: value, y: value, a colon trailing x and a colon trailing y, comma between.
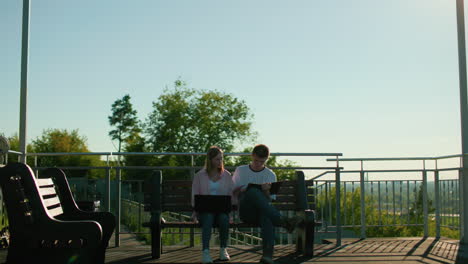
x: 291, y: 223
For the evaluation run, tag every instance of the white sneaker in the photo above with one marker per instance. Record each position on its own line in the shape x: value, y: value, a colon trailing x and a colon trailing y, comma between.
x: 206, y: 258
x: 223, y: 254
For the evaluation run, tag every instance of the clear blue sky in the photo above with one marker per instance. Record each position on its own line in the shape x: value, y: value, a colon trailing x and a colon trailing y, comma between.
x: 366, y: 78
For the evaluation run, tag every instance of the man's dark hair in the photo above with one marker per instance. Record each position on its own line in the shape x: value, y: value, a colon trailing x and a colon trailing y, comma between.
x: 261, y: 151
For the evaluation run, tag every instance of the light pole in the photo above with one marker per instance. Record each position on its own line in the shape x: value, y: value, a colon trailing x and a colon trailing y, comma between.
x: 464, y: 120
x: 24, y: 80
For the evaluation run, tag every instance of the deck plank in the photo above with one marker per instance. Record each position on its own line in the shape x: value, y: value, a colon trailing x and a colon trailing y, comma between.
x: 374, y: 250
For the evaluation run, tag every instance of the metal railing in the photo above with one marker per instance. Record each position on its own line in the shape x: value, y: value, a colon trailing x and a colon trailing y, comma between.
x: 113, y: 191
x: 365, y: 202
x: 426, y: 200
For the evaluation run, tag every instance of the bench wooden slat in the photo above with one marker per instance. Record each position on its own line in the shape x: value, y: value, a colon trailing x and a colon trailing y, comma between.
x: 47, y: 191
x: 291, y: 191
x: 176, y: 200
x: 176, y: 204
x: 285, y: 198
x: 176, y: 184
x: 169, y: 208
x: 286, y: 207
x: 53, y: 201
x: 288, y: 184
x: 177, y: 192
x: 45, y: 182
x: 55, y: 211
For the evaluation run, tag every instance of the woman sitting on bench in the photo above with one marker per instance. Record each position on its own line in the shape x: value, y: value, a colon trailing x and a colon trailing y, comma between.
x: 213, y: 179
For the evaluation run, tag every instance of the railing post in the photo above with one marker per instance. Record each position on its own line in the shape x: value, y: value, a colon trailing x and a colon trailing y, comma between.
x: 464, y: 118
x: 462, y: 203
x: 338, y: 209
x: 192, y: 175
x: 35, y: 166
x: 118, y: 206
x: 363, y: 206
x: 140, y: 201
x: 24, y: 82
x: 425, y: 203
x: 108, y: 189
x: 327, y: 200
x: 437, y: 202
x: 379, y: 203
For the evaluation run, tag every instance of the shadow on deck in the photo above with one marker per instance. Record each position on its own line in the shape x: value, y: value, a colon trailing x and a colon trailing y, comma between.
x: 382, y: 250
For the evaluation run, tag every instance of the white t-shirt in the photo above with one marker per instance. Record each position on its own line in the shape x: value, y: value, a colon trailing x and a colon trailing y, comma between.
x: 245, y: 175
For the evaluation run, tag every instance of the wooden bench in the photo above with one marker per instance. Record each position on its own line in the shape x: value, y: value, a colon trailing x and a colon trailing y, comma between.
x: 45, y: 224
x: 175, y: 196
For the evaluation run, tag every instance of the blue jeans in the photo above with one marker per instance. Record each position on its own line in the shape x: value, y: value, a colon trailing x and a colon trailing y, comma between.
x: 255, y: 208
x: 207, y: 221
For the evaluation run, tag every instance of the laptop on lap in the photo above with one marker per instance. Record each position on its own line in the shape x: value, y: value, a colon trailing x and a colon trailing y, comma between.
x: 213, y: 203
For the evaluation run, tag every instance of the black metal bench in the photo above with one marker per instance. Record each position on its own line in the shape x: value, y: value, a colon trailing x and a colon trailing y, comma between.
x: 175, y: 196
x: 45, y: 224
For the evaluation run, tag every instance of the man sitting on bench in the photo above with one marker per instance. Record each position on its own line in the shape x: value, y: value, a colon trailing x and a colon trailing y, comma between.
x: 255, y: 203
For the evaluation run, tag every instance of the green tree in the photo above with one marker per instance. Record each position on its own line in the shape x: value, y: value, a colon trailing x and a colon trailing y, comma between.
x: 273, y: 161
x: 62, y: 140
x: 137, y: 144
x: 416, y: 212
x: 188, y: 120
x: 124, y: 120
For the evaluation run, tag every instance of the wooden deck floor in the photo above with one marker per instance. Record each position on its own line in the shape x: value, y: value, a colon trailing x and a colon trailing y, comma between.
x: 388, y: 250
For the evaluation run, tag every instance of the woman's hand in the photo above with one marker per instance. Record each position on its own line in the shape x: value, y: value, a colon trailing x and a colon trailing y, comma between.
x: 237, y: 190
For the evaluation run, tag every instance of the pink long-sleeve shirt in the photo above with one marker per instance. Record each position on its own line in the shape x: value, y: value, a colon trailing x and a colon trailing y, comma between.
x: 201, y: 184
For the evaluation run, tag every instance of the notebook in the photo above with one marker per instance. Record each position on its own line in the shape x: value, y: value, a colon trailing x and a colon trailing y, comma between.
x: 275, y: 186
x: 213, y: 203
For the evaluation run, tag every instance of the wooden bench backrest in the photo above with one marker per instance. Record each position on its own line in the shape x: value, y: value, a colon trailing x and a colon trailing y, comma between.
x: 49, y: 196
x: 28, y: 199
x: 176, y: 195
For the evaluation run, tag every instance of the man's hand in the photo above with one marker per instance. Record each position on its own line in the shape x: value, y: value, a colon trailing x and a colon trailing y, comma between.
x: 266, y: 187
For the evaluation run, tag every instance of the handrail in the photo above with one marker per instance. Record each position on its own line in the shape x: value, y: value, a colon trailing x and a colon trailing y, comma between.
x: 14, y: 152
x: 298, y: 154
x: 178, y: 167
x: 399, y: 158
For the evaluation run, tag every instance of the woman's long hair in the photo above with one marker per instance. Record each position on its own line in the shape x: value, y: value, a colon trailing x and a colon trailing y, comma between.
x: 211, y: 154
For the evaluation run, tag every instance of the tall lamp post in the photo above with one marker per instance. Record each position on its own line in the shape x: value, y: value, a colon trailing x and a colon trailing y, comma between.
x: 24, y: 80
x: 464, y: 120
